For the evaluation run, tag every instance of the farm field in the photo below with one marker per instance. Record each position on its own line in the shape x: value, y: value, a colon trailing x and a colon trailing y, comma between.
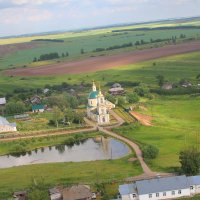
x: 173, y: 68
x: 176, y: 125
x: 14, y: 55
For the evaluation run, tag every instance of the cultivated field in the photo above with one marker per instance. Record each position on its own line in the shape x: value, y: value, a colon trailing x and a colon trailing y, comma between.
x: 106, y: 62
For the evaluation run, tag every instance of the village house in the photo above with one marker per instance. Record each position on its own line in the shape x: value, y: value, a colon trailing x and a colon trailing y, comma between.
x: 116, y: 89
x: 55, y: 194
x: 21, y: 195
x: 38, y: 108
x: 2, y: 101
x: 5, y: 126
x: 167, y: 86
x: 98, y: 108
x: 77, y: 192
x: 160, y: 188
x: 35, y: 100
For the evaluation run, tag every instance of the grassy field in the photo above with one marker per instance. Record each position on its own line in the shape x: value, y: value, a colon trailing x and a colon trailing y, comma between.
x: 66, y: 173
x: 173, y: 68
x: 176, y: 124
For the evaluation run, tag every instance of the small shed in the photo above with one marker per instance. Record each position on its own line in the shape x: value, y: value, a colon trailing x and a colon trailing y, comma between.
x: 38, y: 108
x: 55, y: 194
x: 2, y: 101
x: 21, y: 195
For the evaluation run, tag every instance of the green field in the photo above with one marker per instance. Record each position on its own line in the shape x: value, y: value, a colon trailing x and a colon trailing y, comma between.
x: 66, y: 173
x: 176, y: 124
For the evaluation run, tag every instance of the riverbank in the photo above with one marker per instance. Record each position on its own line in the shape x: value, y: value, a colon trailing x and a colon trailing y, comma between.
x: 24, y: 145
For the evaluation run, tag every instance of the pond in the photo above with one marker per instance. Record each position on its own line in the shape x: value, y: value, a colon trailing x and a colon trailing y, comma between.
x: 91, y: 149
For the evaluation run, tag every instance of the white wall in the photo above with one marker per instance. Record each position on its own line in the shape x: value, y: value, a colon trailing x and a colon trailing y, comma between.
x: 7, y: 128
x: 184, y: 192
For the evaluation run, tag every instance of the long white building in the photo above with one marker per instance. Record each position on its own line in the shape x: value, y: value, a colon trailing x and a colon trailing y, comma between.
x: 5, y: 126
x: 161, y: 188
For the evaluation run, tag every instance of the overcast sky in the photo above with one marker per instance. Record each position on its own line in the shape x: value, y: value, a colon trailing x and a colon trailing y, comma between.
x: 28, y: 16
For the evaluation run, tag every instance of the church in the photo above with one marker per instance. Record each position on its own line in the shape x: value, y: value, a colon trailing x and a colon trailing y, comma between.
x: 98, y: 108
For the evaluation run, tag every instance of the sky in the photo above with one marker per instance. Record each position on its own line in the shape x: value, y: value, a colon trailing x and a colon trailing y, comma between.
x: 33, y: 16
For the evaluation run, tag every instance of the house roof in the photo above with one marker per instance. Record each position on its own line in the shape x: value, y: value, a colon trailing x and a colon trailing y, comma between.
x: 127, y: 189
x: 194, y: 180
x: 116, y: 85
x: 162, y: 184
x: 3, y: 121
x: 93, y: 94
x: 76, y: 193
x: 37, y: 107
x: 2, y: 101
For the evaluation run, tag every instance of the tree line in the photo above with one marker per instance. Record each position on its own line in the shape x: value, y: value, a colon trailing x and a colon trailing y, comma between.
x: 50, y: 56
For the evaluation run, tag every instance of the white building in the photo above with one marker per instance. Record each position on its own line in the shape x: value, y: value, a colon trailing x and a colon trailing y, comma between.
x: 2, y: 101
x: 98, y: 107
x: 5, y: 126
x: 161, y: 188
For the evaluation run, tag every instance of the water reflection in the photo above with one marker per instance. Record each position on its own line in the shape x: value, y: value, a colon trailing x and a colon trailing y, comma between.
x: 99, y: 148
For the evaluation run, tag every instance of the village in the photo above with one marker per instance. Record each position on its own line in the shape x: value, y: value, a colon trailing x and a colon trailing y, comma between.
x: 99, y: 114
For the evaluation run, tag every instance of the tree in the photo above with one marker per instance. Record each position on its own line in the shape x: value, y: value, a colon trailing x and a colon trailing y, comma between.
x: 132, y: 98
x: 38, y: 191
x: 111, y: 98
x: 82, y: 51
x: 67, y: 54
x: 35, y: 59
x: 161, y: 80
x: 198, y: 76
x: 120, y: 101
x: 190, y: 161
x: 57, y: 115
x: 142, y: 90
x: 15, y: 108
x: 150, y: 152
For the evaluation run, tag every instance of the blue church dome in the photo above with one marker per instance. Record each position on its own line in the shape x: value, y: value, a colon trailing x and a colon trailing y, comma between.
x: 93, y: 95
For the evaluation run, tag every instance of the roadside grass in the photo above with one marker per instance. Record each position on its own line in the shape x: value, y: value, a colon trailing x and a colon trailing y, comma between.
x: 18, y: 178
x: 173, y: 68
x: 176, y: 124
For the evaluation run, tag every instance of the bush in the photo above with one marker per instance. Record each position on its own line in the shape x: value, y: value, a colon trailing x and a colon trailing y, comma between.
x: 150, y: 152
x: 18, y: 148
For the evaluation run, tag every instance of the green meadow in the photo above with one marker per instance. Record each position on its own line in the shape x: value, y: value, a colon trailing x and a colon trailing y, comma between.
x: 18, y: 178
x: 176, y: 126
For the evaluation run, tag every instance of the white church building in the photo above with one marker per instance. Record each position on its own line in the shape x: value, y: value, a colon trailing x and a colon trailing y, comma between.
x: 98, y: 108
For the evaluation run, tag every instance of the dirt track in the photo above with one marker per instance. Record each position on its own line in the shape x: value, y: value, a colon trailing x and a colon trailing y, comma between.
x: 106, y: 62
x: 143, y: 119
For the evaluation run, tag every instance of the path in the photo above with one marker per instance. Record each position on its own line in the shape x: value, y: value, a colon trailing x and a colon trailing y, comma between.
x: 143, y: 119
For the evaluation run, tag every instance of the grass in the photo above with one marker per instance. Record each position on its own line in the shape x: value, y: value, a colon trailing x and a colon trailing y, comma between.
x: 176, y: 124
x: 66, y: 173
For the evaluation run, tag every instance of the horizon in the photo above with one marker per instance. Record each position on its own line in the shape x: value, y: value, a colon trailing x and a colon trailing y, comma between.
x: 23, y: 17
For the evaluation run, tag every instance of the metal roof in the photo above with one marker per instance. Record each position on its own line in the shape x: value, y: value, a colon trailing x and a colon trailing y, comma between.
x: 2, y: 101
x: 194, y: 180
x: 93, y: 94
x: 3, y: 121
x: 162, y: 184
x: 37, y: 107
x: 127, y: 189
